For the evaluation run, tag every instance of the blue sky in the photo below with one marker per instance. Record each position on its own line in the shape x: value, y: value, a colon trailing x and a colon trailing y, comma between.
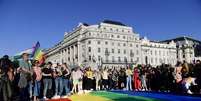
x: 24, y: 22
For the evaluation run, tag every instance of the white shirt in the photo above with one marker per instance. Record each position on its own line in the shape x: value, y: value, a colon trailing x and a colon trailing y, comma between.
x: 76, y: 75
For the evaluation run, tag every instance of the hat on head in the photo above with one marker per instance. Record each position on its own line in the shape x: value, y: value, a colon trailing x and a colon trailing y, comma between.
x: 25, y: 53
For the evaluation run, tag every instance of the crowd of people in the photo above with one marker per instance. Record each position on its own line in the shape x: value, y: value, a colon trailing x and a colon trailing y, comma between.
x: 27, y: 80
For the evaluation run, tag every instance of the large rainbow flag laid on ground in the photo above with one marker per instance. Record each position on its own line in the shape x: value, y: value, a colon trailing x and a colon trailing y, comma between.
x: 129, y: 96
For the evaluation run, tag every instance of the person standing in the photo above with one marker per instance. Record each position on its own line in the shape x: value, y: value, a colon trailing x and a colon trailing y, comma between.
x: 115, y: 78
x: 25, y: 80
x: 143, y: 79
x: 197, y: 73
x: 47, y: 79
x: 128, y: 79
x: 121, y: 78
x: 37, y: 79
x: 65, y: 77
x: 110, y: 81
x: 89, y: 81
x: 57, y: 74
x: 6, y: 78
x: 97, y: 76
x: 105, y: 79
x: 178, y: 77
x: 77, y: 75
x: 136, y: 79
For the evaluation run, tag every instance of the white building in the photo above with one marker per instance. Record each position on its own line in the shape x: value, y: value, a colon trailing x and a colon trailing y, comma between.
x: 156, y: 53
x: 188, y: 49
x: 109, y: 43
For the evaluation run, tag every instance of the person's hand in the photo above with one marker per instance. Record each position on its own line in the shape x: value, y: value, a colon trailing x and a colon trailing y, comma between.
x: 19, y: 69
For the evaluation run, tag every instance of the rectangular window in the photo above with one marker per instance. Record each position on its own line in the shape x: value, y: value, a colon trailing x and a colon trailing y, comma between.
x: 98, y: 42
x: 89, y: 57
x: 99, y: 50
x: 106, y: 42
x: 89, y: 49
x: 112, y: 50
x: 138, y: 59
x: 119, y: 59
x: 124, y: 51
x: 99, y: 58
x: 125, y: 59
x: 119, y: 51
x: 113, y: 59
x: 89, y: 42
x: 151, y: 52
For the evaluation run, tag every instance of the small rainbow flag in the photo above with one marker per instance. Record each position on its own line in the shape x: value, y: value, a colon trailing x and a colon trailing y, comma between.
x: 38, y: 54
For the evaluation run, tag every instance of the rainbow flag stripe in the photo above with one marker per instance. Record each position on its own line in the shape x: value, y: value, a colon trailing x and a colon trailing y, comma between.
x: 109, y: 96
x: 131, y: 96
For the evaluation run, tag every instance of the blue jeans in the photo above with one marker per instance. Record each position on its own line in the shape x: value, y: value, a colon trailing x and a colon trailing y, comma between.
x: 37, y: 86
x: 30, y: 88
x: 47, y: 85
x: 58, y: 85
x: 128, y: 83
x: 66, y: 84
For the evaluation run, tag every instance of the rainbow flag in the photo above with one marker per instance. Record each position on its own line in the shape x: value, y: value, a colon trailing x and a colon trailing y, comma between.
x: 128, y: 96
x: 38, y: 54
x: 109, y: 96
x: 35, y: 53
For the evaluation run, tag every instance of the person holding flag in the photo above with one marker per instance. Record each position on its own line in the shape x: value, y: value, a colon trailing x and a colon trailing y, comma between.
x: 25, y: 80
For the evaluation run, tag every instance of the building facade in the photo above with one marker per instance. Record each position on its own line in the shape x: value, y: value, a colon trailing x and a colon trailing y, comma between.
x: 109, y: 43
x: 157, y: 53
x: 188, y: 49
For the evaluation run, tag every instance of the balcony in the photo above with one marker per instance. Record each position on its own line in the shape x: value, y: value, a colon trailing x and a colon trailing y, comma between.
x: 118, y: 62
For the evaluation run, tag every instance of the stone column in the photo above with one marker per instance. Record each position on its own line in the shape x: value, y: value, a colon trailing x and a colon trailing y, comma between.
x: 71, y: 54
x: 68, y: 56
x: 74, y: 55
